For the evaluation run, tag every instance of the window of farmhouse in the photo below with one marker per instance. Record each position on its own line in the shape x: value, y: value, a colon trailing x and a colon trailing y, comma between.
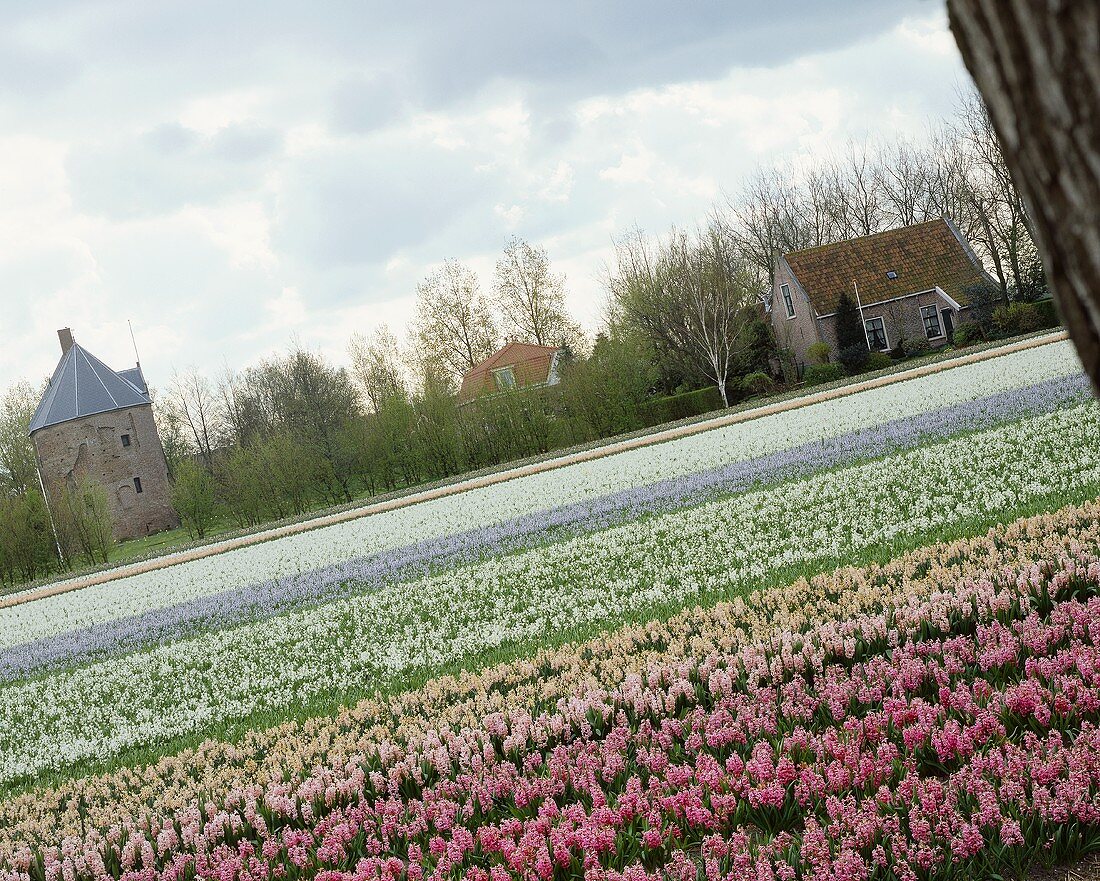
x: 787, y: 301
x: 505, y: 378
x: 931, y: 316
x: 876, y: 334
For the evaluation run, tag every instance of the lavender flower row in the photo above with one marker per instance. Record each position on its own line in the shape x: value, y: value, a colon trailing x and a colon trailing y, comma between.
x: 269, y: 598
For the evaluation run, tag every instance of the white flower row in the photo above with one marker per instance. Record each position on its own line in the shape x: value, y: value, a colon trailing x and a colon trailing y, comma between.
x: 307, y: 551
x: 191, y: 686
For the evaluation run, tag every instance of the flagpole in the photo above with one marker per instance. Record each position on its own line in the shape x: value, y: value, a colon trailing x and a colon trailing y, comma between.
x: 863, y: 321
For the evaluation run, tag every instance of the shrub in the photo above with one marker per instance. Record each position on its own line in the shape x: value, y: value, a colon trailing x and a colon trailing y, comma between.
x: 1049, y: 313
x: 967, y: 334
x: 819, y: 353
x: 756, y: 383
x: 983, y: 298
x: 684, y: 406
x: 916, y: 347
x: 816, y: 374
x: 853, y: 358
x: 1017, y: 318
x: 878, y: 361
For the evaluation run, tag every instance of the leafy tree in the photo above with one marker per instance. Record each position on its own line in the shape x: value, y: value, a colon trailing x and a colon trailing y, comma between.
x: 241, y: 487
x: 82, y: 516
x: 376, y: 366
x: 608, y: 389
x: 317, y: 398
x: 18, y: 471
x: 530, y: 298
x: 27, y: 546
x: 851, y: 339
x: 193, y: 497
x: 454, y: 326
x: 694, y: 297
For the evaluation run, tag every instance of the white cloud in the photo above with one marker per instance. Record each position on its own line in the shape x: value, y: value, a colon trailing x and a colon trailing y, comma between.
x: 228, y: 174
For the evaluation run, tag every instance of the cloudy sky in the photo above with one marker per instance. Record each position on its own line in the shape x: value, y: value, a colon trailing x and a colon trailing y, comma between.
x: 229, y: 174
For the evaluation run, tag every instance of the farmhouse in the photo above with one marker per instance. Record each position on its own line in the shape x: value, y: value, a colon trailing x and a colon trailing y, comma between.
x: 94, y: 423
x: 908, y: 283
x: 517, y: 365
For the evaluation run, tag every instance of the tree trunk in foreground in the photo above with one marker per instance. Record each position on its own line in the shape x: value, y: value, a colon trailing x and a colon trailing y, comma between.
x: 1037, y: 65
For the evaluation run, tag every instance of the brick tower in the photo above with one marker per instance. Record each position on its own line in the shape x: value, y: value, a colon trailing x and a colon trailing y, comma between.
x: 97, y: 424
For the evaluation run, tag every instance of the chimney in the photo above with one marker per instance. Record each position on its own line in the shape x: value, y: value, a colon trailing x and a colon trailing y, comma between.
x: 66, y: 337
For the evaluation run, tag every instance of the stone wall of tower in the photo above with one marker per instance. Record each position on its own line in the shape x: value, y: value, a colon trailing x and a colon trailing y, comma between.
x: 93, y: 447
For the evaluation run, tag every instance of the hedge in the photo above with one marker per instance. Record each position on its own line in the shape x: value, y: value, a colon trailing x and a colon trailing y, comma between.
x: 684, y: 406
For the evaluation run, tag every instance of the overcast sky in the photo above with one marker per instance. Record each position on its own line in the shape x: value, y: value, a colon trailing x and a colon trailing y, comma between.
x: 228, y: 174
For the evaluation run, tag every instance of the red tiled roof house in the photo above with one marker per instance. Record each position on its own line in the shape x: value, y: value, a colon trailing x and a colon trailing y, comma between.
x: 910, y: 283
x: 517, y: 365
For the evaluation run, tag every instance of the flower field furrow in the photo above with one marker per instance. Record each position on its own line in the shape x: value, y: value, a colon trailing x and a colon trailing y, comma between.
x: 260, y: 601
x: 307, y: 552
x: 719, y: 548
x: 955, y: 731
x: 142, y: 796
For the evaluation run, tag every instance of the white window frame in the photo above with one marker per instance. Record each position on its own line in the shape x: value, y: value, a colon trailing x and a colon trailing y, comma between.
x: 788, y: 300
x: 885, y: 333
x: 939, y: 321
x: 504, y: 371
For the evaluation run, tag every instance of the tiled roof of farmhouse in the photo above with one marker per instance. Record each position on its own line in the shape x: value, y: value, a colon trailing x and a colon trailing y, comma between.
x: 82, y: 385
x: 922, y: 257
x: 530, y: 365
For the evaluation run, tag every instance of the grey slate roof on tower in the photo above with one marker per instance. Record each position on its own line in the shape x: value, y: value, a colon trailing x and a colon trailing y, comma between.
x: 82, y: 385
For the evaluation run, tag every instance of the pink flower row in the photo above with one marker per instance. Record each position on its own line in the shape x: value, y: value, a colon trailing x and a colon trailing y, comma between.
x: 942, y: 733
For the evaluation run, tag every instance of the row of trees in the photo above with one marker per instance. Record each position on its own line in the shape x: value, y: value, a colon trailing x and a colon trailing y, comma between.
x: 957, y: 170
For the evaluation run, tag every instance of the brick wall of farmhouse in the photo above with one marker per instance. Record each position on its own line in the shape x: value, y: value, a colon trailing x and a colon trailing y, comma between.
x: 800, y: 332
x: 902, y: 320
x: 92, y: 447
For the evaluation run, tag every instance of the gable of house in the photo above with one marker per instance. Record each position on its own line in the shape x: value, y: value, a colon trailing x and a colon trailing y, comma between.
x: 517, y: 365
x: 896, y: 263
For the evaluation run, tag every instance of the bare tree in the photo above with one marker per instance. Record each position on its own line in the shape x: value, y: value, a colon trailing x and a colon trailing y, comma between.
x: 853, y: 198
x: 230, y: 405
x: 376, y: 366
x: 1004, y: 219
x: 903, y: 177
x: 1037, y: 65
x: 454, y: 326
x: 530, y: 297
x: 191, y: 400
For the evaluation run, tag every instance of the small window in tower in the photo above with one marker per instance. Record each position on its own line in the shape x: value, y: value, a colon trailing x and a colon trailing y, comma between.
x: 137, y: 484
x: 126, y: 440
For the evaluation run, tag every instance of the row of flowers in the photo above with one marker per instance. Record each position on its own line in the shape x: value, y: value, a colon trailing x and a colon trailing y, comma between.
x: 377, y: 731
x: 955, y: 732
x: 666, y: 561
x: 305, y: 553
x: 46, y: 642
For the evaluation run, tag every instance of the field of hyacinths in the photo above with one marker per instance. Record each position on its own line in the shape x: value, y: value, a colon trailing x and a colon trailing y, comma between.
x: 855, y: 640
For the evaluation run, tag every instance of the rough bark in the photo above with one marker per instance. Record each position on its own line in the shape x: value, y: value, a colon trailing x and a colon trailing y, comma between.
x: 1037, y: 66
